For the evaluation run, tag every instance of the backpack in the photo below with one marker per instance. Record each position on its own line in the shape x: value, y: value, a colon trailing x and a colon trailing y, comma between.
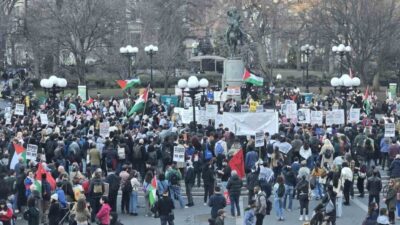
x: 219, y: 150
x: 270, y: 148
x: 281, y: 190
x: 137, y: 152
x: 121, y: 153
x: 127, y: 187
x: 153, y: 157
x: 174, y: 178
x: 98, y: 187
x: 328, y: 153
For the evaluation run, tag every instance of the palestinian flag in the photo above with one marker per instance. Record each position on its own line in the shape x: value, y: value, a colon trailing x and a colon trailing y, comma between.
x: 90, y: 101
x: 152, y: 190
x: 19, y: 152
x: 140, y: 103
x: 49, y: 178
x: 252, y: 79
x: 126, y: 84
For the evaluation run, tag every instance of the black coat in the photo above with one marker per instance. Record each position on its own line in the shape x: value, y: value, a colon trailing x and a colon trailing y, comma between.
x: 32, y: 215
x: 374, y: 185
x: 234, y: 185
x: 54, y: 213
x: 216, y: 202
x: 165, y: 206
x: 190, y: 177
x: 395, y: 169
x: 208, y: 175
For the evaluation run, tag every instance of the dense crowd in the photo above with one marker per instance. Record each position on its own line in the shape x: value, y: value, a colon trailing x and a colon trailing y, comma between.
x: 78, y: 172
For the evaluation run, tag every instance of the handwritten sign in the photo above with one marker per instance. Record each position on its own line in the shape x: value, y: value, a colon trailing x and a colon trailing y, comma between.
x: 179, y: 154
x: 31, y: 152
x: 390, y: 129
x: 104, y: 129
x: 354, y: 115
x: 44, y: 119
x: 259, y: 139
x: 19, y: 109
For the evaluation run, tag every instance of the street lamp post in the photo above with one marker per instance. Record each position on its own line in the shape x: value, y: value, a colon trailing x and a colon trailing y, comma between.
x: 151, y: 50
x: 345, y: 85
x: 53, y: 86
x: 307, y: 50
x: 341, y: 50
x: 129, y: 52
x: 190, y: 88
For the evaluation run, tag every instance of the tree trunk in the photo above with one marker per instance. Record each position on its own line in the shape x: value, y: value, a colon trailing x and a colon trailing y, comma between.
x: 166, y: 83
x: 375, y: 82
x: 80, y: 68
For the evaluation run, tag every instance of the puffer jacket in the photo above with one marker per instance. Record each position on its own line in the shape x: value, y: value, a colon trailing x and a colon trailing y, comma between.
x: 234, y: 185
x: 374, y: 185
x: 394, y: 169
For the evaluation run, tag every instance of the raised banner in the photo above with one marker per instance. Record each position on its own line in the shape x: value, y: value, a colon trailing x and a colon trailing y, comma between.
x: 390, y: 129
x: 354, y: 115
x: 316, y: 118
x: 211, y: 111
x: 249, y: 123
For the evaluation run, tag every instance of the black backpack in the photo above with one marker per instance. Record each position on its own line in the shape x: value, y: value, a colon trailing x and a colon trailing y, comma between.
x: 174, y: 179
x: 328, y: 153
x: 127, y: 187
x: 281, y: 190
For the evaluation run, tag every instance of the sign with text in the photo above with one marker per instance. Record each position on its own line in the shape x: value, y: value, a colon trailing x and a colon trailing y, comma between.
x: 244, y: 108
x: 390, y: 129
x: 303, y: 116
x: 19, y: 109
x: 211, y: 111
x: 104, y: 129
x: 233, y: 90
x: 82, y: 92
x: 259, y: 139
x: 316, y: 118
x: 44, y: 119
x: 31, y: 152
x: 354, y: 115
x: 335, y: 116
x: 179, y: 154
x: 260, y: 108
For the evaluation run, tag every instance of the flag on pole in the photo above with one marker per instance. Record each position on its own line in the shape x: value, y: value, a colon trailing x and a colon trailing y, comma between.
x: 126, y: 84
x: 252, y: 79
x: 237, y: 163
x: 350, y: 73
x: 89, y: 101
x: 19, y: 152
x: 140, y: 102
x: 41, y: 170
x: 153, y: 190
x: 366, y: 93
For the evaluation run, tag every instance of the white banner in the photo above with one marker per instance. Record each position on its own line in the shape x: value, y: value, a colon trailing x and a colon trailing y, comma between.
x: 249, y: 123
x: 354, y: 115
x: 303, y: 116
x: 260, y: 108
x: 19, y: 109
x: 335, y: 116
x: 390, y: 129
x: 233, y: 90
x: 31, y: 152
x: 104, y: 129
x: 220, y: 96
x: 211, y: 111
x: 43, y: 118
x: 316, y: 118
x: 259, y: 139
x: 179, y: 154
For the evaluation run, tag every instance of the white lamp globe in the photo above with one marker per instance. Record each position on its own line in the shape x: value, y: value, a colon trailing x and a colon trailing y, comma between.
x: 146, y: 49
x: 53, y: 79
x: 347, y: 81
x: 312, y: 48
x: 42, y: 82
x: 278, y: 76
x: 335, y: 82
x: 123, y: 50
x: 341, y: 48
x: 48, y: 83
x: 356, y: 81
x: 347, y: 49
x: 182, y: 83
x: 334, y: 49
x: 193, y: 82
x: 203, y: 83
x: 303, y: 48
x: 135, y: 49
x: 344, y: 76
x: 62, y: 82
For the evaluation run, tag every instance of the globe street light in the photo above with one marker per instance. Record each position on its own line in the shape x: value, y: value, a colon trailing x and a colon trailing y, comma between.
x: 190, y: 88
x: 341, y: 50
x: 307, y: 50
x: 129, y: 52
x: 345, y: 85
x: 53, y: 86
x: 151, y: 50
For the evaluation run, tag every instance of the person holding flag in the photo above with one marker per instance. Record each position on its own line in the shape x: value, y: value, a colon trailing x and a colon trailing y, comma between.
x: 174, y: 177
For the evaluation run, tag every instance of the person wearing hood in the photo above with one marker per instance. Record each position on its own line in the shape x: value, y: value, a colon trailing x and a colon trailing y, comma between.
x: 249, y: 214
x: 306, y: 153
x: 189, y: 183
x: 103, y: 215
x: 327, y: 152
x: 383, y: 218
x: 394, y: 169
x: 234, y: 188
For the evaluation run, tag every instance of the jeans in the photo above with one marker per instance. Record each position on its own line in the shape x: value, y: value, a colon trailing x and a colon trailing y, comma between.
x: 288, y: 193
x: 339, y: 206
x: 260, y: 218
x: 383, y: 159
x: 176, y: 194
x: 398, y: 208
x: 166, y: 219
x: 318, y: 191
x: 189, y: 193
x: 278, y: 206
x: 133, y: 202
x: 235, y: 201
x: 208, y: 191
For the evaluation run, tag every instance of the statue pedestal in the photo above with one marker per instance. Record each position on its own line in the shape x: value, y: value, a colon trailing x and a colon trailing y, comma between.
x: 233, y: 72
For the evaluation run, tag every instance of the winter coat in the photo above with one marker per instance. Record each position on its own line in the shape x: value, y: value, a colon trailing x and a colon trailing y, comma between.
x: 374, y: 185
x: 234, y: 185
x: 104, y: 214
x: 54, y: 213
x: 190, y: 177
x: 32, y: 215
x: 216, y: 202
x: 394, y: 169
x: 391, y: 199
x: 208, y: 176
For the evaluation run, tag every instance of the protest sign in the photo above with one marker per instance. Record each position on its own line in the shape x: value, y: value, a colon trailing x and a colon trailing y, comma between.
x: 244, y: 108
x: 354, y: 115
x: 316, y: 118
x: 220, y: 96
x: 211, y: 111
x: 7, y: 116
x: 259, y: 139
x: 291, y: 111
x: 303, y: 116
x: 19, y: 109
x: 31, y: 152
x: 335, y: 116
x: 44, y: 119
x: 82, y: 91
x: 233, y: 90
x: 187, y: 115
x: 179, y: 154
x: 104, y: 129
x: 390, y: 129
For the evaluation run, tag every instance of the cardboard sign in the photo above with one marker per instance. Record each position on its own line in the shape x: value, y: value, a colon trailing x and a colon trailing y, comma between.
x: 259, y: 139
x: 31, y: 152
x: 335, y: 116
x: 390, y: 129
x: 19, y: 109
x: 44, y: 119
x: 316, y: 118
x: 233, y: 90
x: 303, y: 116
x: 354, y: 115
x: 104, y: 129
x: 211, y: 111
x: 179, y: 154
x: 244, y: 108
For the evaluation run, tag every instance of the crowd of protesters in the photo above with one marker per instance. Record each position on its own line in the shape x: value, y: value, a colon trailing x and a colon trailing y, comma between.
x: 78, y: 173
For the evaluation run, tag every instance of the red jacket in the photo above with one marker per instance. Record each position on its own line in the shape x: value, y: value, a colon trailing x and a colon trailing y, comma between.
x: 8, y: 216
x: 104, y: 214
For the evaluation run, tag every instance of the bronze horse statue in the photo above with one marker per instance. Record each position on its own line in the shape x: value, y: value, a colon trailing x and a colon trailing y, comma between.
x: 234, y: 34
